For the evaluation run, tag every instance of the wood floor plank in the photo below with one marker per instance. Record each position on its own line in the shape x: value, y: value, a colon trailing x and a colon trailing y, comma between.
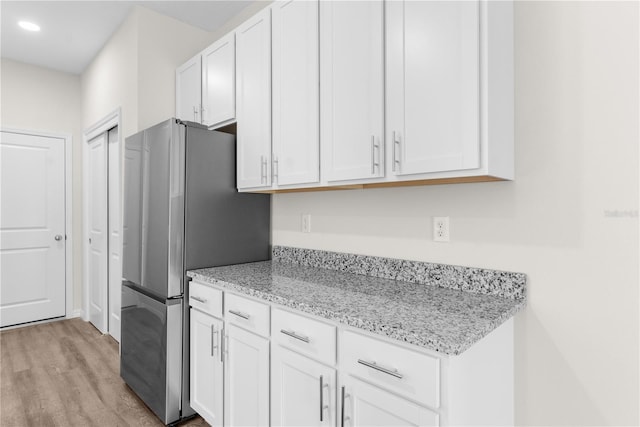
x: 66, y: 373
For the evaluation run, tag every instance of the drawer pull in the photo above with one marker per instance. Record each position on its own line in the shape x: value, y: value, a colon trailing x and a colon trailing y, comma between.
x: 202, y: 300
x: 214, y: 339
x: 373, y: 365
x: 240, y: 314
x: 296, y: 336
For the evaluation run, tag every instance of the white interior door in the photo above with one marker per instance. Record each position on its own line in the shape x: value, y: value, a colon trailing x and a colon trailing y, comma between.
x: 115, y: 241
x: 98, y: 232
x: 32, y: 228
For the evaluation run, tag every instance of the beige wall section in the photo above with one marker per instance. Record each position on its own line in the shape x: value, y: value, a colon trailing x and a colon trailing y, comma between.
x: 163, y: 44
x: 135, y: 70
x: 110, y: 81
x: 38, y: 99
x: 576, y: 164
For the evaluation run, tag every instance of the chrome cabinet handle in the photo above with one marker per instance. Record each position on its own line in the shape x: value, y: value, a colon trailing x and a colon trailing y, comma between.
x: 373, y: 365
x: 262, y: 170
x: 342, y: 407
x: 321, y: 399
x: 195, y: 113
x: 202, y: 113
x: 275, y: 169
x: 395, y: 162
x: 374, y: 147
x: 222, y: 346
x: 202, y: 300
x: 240, y: 314
x: 59, y: 237
x: 214, y: 336
x: 292, y: 334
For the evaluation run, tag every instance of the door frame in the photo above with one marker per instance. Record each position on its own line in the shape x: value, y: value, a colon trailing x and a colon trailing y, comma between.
x: 103, y: 125
x: 68, y: 214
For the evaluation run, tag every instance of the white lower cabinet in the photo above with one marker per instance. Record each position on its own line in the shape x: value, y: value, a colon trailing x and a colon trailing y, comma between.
x: 320, y: 373
x: 364, y: 404
x: 303, y: 391
x: 246, y: 378
x: 206, y: 375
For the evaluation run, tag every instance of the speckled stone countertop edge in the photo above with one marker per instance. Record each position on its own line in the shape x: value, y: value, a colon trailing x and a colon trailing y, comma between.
x: 429, y: 343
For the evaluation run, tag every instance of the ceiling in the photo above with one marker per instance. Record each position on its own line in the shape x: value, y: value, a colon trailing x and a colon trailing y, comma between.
x: 73, y: 32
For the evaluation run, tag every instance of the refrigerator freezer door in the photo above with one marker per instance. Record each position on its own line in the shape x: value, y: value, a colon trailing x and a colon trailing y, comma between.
x: 153, y: 220
x: 151, y: 345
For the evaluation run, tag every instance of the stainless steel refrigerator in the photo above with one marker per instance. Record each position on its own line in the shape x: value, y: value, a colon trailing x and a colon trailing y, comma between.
x: 181, y: 212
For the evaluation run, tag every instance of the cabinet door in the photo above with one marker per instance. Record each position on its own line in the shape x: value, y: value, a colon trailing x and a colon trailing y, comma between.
x: 433, y: 97
x: 302, y: 391
x: 246, y: 378
x: 351, y: 76
x: 219, y: 81
x: 206, y: 368
x: 188, y: 90
x: 296, y: 103
x: 368, y: 405
x: 253, y: 91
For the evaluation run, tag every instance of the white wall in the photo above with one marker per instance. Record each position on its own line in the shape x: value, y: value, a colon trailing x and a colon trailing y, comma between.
x: 135, y: 70
x: 38, y: 99
x: 163, y: 44
x: 110, y: 81
x: 577, y: 132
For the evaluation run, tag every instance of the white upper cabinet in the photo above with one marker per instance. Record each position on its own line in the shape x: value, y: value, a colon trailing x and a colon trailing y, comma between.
x: 296, y: 150
x: 352, y: 89
x: 188, y: 90
x: 218, y: 82
x: 253, y: 107
x: 449, y: 89
x: 433, y: 107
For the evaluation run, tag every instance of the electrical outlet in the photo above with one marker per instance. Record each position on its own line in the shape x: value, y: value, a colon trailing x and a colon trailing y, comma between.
x: 306, y: 223
x: 440, y: 228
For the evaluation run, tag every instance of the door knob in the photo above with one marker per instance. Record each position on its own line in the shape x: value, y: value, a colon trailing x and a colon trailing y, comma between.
x: 58, y: 237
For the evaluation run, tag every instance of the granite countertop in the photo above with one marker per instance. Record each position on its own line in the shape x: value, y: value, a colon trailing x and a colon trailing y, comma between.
x: 434, y: 317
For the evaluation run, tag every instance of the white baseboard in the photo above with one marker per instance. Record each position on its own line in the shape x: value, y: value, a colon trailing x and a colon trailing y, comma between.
x: 78, y: 312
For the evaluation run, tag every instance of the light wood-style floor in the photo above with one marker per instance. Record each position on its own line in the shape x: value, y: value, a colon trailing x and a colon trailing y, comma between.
x: 66, y: 373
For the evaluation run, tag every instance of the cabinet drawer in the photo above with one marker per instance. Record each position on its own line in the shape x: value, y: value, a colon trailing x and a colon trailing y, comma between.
x: 205, y: 298
x: 400, y: 370
x: 247, y: 313
x: 308, y: 336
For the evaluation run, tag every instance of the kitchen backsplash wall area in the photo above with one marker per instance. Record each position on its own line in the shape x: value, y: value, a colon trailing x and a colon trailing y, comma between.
x: 469, y: 279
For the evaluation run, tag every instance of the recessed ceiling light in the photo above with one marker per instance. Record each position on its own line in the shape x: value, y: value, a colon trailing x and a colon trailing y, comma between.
x: 29, y: 26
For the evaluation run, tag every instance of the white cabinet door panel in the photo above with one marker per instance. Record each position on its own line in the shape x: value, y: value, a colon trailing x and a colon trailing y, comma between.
x: 206, y: 367
x: 219, y: 81
x: 433, y: 94
x: 253, y: 92
x: 351, y: 99
x: 296, y: 105
x: 296, y: 386
x: 246, y: 378
x: 189, y: 90
x: 368, y: 405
